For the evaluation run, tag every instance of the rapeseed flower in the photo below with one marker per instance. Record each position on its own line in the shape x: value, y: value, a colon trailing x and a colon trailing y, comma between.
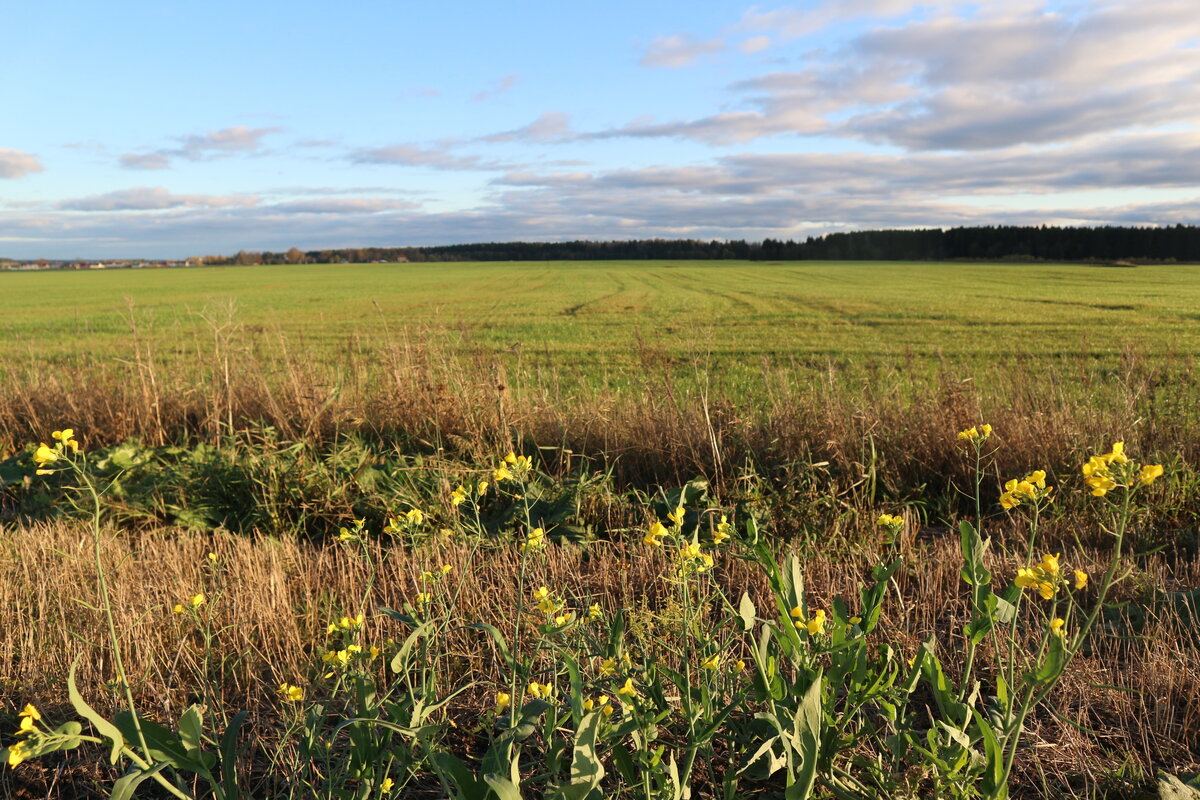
x: 1056, y: 626
x: 722, y: 531
x: 713, y: 662
x: 676, y: 516
x: 414, y: 516
x: 503, y: 701
x: 655, y: 535
x: 595, y: 614
x: 535, y: 540
x: 458, y: 496
x: 627, y: 689
x: 608, y: 667
x: 501, y: 473
x: 1148, y: 473
x: 293, y: 694
x: 1081, y: 579
x: 16, y: 754
x: 67, y: 438
x: 44, y: 455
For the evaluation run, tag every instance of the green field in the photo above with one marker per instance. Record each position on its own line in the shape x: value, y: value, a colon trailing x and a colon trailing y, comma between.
x: 593, y: 315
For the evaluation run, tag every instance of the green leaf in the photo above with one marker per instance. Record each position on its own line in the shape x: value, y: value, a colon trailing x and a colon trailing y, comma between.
x: 229, y: 753
x: 1053, y: 664
x: 503, y: 787
x: 586, y: 768
x: 747, y: 612
x: 400, y: 662
x: 124, y: 788
x: 103, y: 727
x: 191, y: 727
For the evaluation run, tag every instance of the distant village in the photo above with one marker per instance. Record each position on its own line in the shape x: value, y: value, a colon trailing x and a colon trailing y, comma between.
x: 46, y: 264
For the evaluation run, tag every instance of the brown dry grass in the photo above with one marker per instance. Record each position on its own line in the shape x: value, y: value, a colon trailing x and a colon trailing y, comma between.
x: 1134, y: 700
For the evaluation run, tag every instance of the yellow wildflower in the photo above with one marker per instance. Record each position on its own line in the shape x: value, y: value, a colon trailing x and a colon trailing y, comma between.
x: 890, y: 521
x: 178, y: 608
x: 1050, y: 563
x: 501, y: 473
x: 423, y: 598
x: 608, y: 667
x: 539, y: 690
x: 817, y: 623
x: 713, y: 662
x: 1148, y: 473
x: 1081, y: 579
x: 677, y: 515
x: 595, y: 614
x: 67, y: 437
x: 655, y: 535
x: 414, y: 516
x: 16, y: 754
x: 503, y: 701
x: 481, y: 488
x: 375, y: 651
x: 627, y: 689
x: 458, y: 496
x: 44, y: 455
x: 30, y: 712
x: 386, y: 785
x: 1056, y: 626
x: 197, y: 600
x: 740, y: 665
x: 292, y: 694
x: 721, y: 533
x: 535, y: 540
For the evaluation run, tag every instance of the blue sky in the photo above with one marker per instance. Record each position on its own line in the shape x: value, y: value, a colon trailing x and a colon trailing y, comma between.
x: 168, y: 129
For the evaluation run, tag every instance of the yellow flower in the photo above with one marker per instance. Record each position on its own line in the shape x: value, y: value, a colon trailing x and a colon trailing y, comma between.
x: 446, y: 568
x: 375, y: 651
x: 969, y: 435
x: 817, y: 623
x: 26, y: 726
x: 676, y: 516
x: 539, y: 690
x: 722, y: 530
x: 627, y: 689
x: 741, y: 665
x: 797, y: 612
x: 713, y: 662
x: 501, y: 473
x: 293, y: 694
x: 16, y: 754
x: 67, y: 439
x: 535, y: 540
x: 44, y: 455
x: 1047, y: 590
x: 423, y: 598
x: 655, y: 535
x: 481, y: 488
x: 414, y: 516
x: 1117, y: 454
x: 30, y: 713
x: 503, y: 701
x: 1049, y: 563
x: 178, y: 608
x: 458, y: 496
x: 197, y: 600
x: 386, y: 785
x: 1081, y: 579
x: 1026, y: 578
x: 1056, y: 626
x: 595, y: 614
x: 608, y: 667
x: 985, y: 430
x: 890, y: 521
x: 1148, y: 473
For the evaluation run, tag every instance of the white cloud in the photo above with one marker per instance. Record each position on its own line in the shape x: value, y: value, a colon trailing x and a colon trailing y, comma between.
x: 18, y: 164
x: 678, y: 51
x: 344, y: 205
x: 553, y: 126
x: 408, y: 155
x: 145, y: 161
x: 500, y: 87
x: 153, y: 198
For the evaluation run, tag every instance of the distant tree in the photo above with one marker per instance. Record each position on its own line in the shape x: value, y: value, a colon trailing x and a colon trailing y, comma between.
x: 295, y: 256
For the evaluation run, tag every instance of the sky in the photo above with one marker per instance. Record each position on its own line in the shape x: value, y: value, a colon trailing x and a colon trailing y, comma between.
x: 162, y: 130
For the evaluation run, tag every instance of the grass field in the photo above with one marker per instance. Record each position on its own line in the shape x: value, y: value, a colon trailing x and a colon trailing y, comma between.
x: 261, y: 436
x: 591, y: 316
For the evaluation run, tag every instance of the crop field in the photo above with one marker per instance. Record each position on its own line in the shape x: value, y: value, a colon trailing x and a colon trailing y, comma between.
x: 591, y: 316
x: 610, y: 529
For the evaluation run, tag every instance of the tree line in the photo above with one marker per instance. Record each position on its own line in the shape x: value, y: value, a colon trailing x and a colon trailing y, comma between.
x: 1180, y: 243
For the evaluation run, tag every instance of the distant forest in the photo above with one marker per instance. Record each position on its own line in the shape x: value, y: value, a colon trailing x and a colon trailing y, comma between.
x: 1180, y: 243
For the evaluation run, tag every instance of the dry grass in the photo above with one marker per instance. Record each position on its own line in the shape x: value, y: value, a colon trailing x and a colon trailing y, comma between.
x: 1134, y: 700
